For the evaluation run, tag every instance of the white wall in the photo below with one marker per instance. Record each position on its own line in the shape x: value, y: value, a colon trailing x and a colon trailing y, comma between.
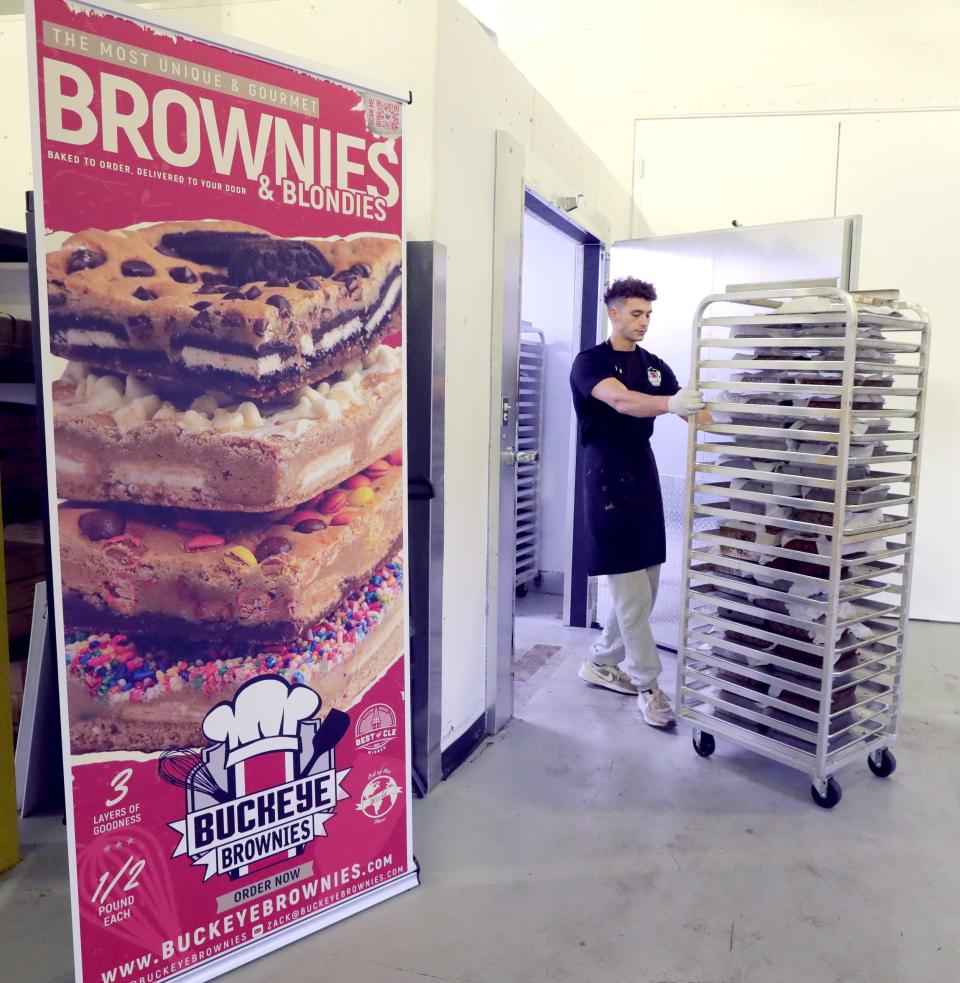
x: 465, y: 89
x: 609, y: 62
x: 911, y: 239
x: 704, y: 173
x: 897, y: 170
x: 551, y: 303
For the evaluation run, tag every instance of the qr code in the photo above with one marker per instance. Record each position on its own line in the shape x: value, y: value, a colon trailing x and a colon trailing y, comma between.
x: 383, y: 116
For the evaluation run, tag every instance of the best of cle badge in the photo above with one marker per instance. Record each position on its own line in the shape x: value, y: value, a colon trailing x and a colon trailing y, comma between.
x: 376, y: 728
x: 265, y: 786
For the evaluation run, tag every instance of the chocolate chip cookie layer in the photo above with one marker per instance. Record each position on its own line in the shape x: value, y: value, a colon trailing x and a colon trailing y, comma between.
x: 220, y: 305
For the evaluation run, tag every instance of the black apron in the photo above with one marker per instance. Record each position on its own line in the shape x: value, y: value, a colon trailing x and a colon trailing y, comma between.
x: 622, y: 500
x: 624, y: 509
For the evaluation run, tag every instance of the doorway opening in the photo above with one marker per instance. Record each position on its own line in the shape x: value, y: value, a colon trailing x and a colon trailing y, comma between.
x: 560, y: 285
x: 686, y: 268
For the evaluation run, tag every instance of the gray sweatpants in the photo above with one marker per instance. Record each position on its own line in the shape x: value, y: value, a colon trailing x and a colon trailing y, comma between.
x: 626, y: 637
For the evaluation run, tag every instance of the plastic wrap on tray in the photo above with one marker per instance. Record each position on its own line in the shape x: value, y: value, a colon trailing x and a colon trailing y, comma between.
x: 856, y: 471
x: 759, y: 464
x: 802, y: 609
x: 770, y: 484
x: 855, y: 496
x: 761, y: 330
x: 841, y: 699
x: 820, y: 544
x: 763, y: 375
x: 831, y: 377
x: 858, y: 452
x: 842, y: 661
x: 741, y: 535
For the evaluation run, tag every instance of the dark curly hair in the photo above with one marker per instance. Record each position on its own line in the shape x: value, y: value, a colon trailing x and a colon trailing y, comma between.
x: 627, y: 287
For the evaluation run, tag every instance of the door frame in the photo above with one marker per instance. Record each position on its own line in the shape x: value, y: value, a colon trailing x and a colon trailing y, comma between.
x: 512, y: 198
x: 575, y: 578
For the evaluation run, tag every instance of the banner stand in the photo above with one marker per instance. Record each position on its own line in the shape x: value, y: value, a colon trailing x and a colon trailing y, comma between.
x: 220, y: 260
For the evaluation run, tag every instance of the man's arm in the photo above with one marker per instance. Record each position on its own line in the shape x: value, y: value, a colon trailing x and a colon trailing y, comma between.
x: 615, y: 394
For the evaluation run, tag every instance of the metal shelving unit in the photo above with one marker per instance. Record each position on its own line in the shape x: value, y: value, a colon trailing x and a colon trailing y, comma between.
x: 796, y: 593
x: 529, y: 437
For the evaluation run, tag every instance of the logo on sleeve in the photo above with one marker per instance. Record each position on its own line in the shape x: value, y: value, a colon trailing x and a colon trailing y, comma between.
x: 654, y: 376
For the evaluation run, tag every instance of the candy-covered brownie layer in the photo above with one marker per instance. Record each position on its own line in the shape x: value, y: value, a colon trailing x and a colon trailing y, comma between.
x: 220, y: 305
x: 118, y: 439
x: 129, y: 696
x: 212, y: 575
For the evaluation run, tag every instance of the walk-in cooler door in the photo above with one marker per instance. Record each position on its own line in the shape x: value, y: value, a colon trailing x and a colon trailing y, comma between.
x: 684, y: 269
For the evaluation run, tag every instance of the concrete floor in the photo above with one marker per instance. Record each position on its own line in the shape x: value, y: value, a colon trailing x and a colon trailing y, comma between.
x: 580, y: 845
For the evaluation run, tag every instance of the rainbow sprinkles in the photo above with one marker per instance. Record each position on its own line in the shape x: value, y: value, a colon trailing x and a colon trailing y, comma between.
x: 115, y: 669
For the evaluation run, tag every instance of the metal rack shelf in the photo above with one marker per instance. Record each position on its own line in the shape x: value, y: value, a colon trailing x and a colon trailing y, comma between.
x: 529, y: 434
x: 819, y: 344
x: 806, y: 321
x: 862, y: 366
x: 800, y: 531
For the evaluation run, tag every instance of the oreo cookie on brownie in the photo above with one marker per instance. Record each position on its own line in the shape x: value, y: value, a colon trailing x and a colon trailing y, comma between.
x: 221, y: 305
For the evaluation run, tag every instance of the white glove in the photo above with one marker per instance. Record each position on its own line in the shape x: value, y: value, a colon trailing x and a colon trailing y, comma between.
x: 686, y: 402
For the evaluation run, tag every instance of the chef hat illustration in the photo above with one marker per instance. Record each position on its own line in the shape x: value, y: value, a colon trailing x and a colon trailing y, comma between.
x: 265, y: 715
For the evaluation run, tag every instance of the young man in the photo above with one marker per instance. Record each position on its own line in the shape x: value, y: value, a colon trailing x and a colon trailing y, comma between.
x: 618, y: 390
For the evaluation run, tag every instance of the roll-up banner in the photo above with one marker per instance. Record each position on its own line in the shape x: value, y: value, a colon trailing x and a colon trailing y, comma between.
x: 220, y: 246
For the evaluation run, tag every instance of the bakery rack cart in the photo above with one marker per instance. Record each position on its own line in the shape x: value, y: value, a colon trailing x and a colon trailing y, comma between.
x: 529, y: 436
x: 796, y: 591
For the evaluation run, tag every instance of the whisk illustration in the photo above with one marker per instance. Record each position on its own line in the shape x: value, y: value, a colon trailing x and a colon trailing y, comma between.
x: 187, y: 770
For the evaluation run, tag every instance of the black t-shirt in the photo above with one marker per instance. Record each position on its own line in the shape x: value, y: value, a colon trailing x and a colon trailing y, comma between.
x: 601, y: 425
x: 622, y: 505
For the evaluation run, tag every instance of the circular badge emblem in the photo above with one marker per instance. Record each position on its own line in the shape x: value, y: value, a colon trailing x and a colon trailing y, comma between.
x: 376, y: 727
x: 379, y: 796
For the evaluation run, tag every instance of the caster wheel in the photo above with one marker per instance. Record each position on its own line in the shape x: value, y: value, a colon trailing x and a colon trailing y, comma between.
x: 521, y: 590
x: 833, y: 794
x: 705, y: 745
x: 884, y: 765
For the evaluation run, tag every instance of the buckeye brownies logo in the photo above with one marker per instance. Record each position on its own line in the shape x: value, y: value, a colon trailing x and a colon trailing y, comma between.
x: 266, y: 785
x: 376, y: 728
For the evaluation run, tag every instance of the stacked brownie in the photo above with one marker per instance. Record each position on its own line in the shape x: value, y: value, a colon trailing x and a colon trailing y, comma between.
x: 227, y: 439
x: 789, y: 684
